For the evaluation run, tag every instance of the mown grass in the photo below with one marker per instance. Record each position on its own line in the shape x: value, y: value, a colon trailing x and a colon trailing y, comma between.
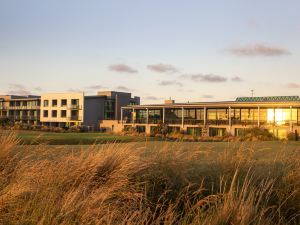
x: 149, y: 183
x: 51, y: 138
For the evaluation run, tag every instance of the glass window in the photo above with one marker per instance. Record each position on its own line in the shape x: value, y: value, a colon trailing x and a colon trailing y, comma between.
x: 64, y: 102
x: 54, y: 113
x: 45, y: 113
x: 54, y: 102
x: 75, y: 101
x: 63, y: 113
x: 46, y: 103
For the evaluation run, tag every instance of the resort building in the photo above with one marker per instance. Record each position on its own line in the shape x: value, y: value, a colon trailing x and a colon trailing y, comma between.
x: 23, y: 109
x: 65, y: 109
x: 280, y: 115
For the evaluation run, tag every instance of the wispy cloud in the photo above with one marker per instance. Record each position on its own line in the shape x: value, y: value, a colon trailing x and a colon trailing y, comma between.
x: 185, y: 90
x: 170, y: 83
x: 74, y: 90
x: 95, y: 87
x: 18, y: 89
x: 163, y: 68
x: 258, y: 50
x: 293, y: 85
x: 38, y: 89
x: 205, y: 78
x: 207, y: 96
x: 237, y: 79
x: 123, y: 88
x: 153, y: 98
x: 122, y: 68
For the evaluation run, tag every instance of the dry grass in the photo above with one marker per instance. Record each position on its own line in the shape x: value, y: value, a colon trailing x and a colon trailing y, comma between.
x: 164, y: 184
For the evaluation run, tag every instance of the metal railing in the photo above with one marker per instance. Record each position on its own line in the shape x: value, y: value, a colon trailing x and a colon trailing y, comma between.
x: 75, y: 118
x: 193, y: 122
x: 78, y: 107
x: 217, y: 122
x: 23, y: 107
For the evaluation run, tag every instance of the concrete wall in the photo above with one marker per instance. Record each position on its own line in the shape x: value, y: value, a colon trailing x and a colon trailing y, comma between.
x: 59, y: 97
x: 111, y: 125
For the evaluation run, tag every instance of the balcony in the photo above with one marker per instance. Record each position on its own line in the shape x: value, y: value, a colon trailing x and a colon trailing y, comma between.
x: 77, y: 107
x: 193, y: 122
x: 24, y: 107
x: 75, y: 118
x: 217, y: 122
x: 141, y: 120
x: 154, y: 121
x: 244, y: 122
x: 173, y: 121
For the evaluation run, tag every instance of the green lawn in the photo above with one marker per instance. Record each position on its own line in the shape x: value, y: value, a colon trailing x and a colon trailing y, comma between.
x: 50, y: 138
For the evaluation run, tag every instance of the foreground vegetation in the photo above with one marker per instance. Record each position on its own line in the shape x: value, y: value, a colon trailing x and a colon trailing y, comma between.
x: 148, y: 183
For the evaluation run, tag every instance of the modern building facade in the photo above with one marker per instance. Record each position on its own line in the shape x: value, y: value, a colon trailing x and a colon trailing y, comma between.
x: 280, y: 115
x: 23, y: 109
x: 65, y: 109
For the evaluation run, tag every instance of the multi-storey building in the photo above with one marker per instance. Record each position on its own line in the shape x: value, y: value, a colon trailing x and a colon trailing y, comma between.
x: 62, y: 110
x: 280, y: 115
x: 23, y: 109
x: 65, y: 109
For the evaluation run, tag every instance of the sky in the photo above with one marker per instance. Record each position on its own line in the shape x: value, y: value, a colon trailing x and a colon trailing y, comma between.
x: 191, y: 50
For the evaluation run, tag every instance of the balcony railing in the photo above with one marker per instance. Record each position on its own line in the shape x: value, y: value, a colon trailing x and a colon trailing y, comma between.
x: 193, y: 122
x: 154, y: 121
x: 217, y: 122
x: 75, y: 118
x: 23, y: 107
x: 141, y: 120
x: 173, y: 121
x: 78, y: 107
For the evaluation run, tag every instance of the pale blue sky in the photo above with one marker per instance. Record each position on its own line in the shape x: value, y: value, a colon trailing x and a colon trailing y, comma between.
x: 62, y: 45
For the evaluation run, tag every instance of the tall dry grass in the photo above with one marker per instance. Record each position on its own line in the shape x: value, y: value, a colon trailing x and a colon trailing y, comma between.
x: 165, y: 183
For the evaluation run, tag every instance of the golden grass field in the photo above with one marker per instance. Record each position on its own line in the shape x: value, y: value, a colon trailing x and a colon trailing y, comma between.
x: 150, y: 183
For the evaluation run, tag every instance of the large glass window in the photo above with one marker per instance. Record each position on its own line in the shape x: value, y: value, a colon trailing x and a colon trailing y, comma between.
x: 173, y: 116
x: 195, y: 131
x: 141, y: 116
x: 109, y: 109
x: 193, y: 116
x: 155, y: 116
x: 217, y: 116
x: 298, y: 120
x: 249, y: 115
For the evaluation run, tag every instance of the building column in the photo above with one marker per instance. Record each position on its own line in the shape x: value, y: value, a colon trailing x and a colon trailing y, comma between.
x: 163, y: 119
x: 229, y: 116
x: 258, y: 116
x: 133, y: 117
x: 121, y: 115
x: 274, y: 117
x: 147, y: 116
x: 291, y: 119
x: 204, y: 116
x: 182, y: 117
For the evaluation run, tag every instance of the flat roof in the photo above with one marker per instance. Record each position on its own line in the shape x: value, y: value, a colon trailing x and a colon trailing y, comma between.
x: 239, y: 102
